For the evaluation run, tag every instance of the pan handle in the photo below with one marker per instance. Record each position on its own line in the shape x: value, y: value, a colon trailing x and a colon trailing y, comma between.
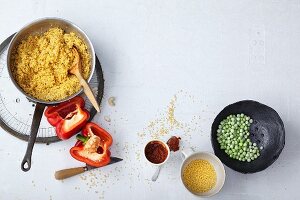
x: 37, y: 116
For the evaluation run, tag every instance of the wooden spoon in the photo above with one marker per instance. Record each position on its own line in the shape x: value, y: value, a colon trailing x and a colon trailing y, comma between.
x: 76, y: 70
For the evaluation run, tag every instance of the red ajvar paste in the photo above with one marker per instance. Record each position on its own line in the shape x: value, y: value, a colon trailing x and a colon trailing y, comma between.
x: 173, y: 143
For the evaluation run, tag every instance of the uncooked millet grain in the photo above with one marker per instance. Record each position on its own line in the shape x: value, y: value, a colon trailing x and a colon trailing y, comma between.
x: 199, y: 176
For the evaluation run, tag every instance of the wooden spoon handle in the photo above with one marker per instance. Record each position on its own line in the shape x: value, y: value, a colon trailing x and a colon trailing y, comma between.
x: 66, y: 173
x: 87, y: 90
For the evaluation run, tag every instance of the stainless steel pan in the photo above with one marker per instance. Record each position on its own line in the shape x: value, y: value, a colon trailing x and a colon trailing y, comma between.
x: 37, y: 27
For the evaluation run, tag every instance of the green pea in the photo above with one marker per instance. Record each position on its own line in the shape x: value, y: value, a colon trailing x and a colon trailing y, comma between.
x: 233, y: 137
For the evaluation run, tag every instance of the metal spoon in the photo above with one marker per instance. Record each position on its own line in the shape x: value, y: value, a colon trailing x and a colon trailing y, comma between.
x: 76, y: 70
x: 155, y: 175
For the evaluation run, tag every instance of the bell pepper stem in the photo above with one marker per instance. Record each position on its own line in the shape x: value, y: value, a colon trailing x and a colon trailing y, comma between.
x: 82, y: 138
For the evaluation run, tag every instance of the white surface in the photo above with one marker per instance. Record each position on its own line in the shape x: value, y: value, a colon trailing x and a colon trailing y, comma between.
x: 203, y: 51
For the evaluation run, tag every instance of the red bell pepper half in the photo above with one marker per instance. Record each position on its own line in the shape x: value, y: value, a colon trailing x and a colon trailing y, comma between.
x: 92, y: 146
x: 68, y: 117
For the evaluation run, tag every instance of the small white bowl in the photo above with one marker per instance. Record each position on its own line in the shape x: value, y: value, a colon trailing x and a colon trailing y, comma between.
x: 167, y: 147
x: 189, y: 155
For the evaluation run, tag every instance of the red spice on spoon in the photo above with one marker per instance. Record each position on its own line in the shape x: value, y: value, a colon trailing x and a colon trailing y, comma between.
x: 173, y: 143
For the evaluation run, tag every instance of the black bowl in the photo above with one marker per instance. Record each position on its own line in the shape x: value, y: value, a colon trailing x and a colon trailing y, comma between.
x: 267, y: 130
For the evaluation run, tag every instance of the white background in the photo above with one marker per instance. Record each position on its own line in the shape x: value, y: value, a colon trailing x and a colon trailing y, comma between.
x: 208, y: 53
